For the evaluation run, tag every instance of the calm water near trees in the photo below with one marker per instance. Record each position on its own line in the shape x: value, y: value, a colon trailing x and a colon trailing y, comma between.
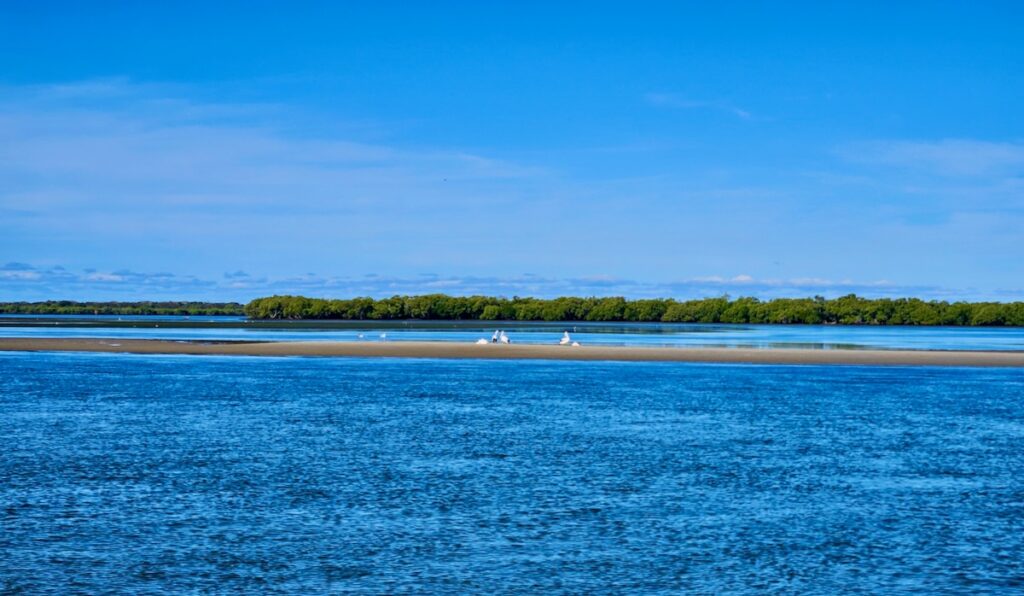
x: 641, y: 334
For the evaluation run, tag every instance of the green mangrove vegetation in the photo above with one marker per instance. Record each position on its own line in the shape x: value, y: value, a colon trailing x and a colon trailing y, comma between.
x: 847, y: 310
x: 70, y: 307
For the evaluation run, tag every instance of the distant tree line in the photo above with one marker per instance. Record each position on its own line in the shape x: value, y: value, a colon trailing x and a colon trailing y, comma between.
x: 69, y: 307
x: 847, y: 310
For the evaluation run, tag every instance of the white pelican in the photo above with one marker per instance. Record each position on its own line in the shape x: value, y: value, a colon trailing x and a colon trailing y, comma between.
x: 494, y: 338
x: 565, y: 339
x: 504, y: 338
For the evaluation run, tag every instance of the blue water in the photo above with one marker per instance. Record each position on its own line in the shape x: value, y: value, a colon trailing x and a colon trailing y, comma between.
x: 141, y: 474
x: 632, y: 334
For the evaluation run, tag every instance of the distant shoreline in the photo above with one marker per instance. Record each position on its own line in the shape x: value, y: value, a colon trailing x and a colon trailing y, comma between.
x: 458, y: 350
x: 845, y: 310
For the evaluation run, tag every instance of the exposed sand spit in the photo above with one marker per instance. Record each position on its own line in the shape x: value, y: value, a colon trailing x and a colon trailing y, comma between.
x: 519, y: 351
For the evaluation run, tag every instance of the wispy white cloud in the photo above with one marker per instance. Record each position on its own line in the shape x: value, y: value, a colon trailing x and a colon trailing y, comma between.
x: 23, y: 281
x: 90, y: 89
x: 175, y: 151
x: 139, y: 177
x: 103, y: 166
x: 20, y: 281
x: 671, y: 100
x: 951, y: 157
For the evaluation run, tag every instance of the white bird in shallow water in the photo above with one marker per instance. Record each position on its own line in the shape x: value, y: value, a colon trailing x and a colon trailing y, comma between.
x: 360, y: 336
x: 383, y: 336
x: 565, y: 339
x: 504, y: 338
x: 494, y: 338
x: 482, y: 341
x: 575, y: 344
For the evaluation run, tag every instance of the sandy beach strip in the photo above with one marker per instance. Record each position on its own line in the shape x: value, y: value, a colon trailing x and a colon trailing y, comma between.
x: 435, y: 349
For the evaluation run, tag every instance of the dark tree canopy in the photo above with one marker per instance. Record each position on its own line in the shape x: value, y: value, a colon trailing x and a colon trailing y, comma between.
x: 847, y: 310
x: 70, y: 307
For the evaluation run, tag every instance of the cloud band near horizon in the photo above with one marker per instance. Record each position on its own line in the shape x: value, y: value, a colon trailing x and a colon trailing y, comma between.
x: 24, y: 282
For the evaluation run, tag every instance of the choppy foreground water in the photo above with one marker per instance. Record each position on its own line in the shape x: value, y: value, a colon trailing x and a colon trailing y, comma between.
x: 139, y: 474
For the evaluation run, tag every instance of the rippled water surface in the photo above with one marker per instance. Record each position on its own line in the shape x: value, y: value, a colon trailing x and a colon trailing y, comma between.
x: 139, y: 474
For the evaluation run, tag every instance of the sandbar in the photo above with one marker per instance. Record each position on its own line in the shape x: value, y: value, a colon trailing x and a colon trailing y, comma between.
x: 456, y: 350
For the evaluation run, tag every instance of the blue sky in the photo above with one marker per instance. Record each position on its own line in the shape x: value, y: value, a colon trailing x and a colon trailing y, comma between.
x: 642, y: 149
